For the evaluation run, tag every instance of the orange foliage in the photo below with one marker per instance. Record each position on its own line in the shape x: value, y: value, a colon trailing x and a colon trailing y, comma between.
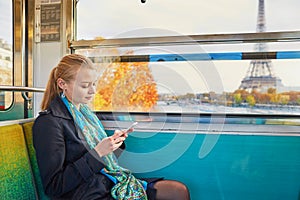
x: 126, y: 87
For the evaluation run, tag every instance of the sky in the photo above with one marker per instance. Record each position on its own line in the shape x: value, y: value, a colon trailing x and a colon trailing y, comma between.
x: 5, y: 20
x: 114, y: 17
x: 131, y: 18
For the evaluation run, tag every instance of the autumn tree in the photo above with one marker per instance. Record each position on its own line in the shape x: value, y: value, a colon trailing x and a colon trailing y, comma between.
x: 250, y: 100
x: 126, y: 87
x: 238, y: 98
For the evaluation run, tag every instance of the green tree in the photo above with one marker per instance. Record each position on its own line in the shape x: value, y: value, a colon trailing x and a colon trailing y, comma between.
x: 250, y: 100
x: 238, y: 98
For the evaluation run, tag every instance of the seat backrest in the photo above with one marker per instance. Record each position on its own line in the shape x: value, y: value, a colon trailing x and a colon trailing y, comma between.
x: 27, y: 127
x: 16, y: 180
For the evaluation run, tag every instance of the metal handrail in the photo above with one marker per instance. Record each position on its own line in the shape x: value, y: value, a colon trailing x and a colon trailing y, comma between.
x: 24, y: 90
x: 284, y: 36
x: 20, y: 89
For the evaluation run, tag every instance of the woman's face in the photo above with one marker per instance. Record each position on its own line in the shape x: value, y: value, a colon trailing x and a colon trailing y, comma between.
x: 83, y: 88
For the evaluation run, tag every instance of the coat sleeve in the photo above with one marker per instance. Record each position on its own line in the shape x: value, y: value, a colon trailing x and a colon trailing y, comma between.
x: 59, y: 177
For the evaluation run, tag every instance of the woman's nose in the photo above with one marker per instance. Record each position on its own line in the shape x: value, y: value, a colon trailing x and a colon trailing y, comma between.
x: 92, y: 90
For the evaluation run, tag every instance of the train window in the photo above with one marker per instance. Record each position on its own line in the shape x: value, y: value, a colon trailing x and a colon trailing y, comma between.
x: 202, y: 86
x: 113, y: 19
x: 257, y: 78
x: 6, y: 63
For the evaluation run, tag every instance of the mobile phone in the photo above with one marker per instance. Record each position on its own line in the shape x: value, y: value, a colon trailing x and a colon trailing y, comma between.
x: 131, y: 126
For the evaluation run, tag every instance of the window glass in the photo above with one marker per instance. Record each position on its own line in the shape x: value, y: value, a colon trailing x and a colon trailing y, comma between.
x: 229, y: 85
x: 109, y: 19
x: 6, y: 61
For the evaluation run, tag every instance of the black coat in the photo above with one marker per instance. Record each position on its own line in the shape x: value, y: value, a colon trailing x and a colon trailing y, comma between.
x: 69, y: 170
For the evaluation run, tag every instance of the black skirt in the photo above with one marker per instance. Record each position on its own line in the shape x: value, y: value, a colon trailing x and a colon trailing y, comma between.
x: 98, y: 188
x: 151, y: 191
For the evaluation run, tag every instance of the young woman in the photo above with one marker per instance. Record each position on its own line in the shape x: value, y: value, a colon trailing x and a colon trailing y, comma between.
x: 75, y: 156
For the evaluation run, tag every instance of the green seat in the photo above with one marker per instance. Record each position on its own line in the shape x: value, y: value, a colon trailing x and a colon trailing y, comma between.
x: 27, y: 127
x: 16, y: 181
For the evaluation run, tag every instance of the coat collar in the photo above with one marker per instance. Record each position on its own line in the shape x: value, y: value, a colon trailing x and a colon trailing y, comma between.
x: 58, y: 108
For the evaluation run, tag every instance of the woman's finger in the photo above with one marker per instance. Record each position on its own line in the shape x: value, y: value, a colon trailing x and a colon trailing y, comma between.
x: 117, y: 134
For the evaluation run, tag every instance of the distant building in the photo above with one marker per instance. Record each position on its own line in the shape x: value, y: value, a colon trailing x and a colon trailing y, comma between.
x: 5, y: 63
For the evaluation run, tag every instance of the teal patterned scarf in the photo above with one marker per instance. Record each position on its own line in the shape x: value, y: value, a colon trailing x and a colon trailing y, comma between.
x: 126, y: 187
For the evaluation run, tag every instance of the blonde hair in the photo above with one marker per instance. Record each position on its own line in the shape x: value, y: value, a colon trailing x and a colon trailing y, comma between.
x: 67, y: 70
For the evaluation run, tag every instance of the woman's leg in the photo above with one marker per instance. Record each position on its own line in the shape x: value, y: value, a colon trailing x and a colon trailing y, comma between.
x: 171, y: 190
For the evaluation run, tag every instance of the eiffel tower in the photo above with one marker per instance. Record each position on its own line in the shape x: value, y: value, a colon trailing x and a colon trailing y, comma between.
x: 260, y: 76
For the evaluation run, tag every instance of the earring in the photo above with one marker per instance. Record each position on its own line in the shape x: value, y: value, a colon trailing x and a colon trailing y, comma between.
x: 63, y: 94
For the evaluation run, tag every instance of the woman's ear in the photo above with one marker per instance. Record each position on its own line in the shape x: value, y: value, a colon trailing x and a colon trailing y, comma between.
x: 61, y: 83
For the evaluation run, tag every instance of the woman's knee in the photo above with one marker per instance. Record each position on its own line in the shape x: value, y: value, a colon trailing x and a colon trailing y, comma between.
x: 183, y: 190
x: 174, y: 190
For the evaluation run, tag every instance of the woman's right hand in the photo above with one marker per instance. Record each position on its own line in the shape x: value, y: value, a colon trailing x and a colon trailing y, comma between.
x: 110, y: 144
